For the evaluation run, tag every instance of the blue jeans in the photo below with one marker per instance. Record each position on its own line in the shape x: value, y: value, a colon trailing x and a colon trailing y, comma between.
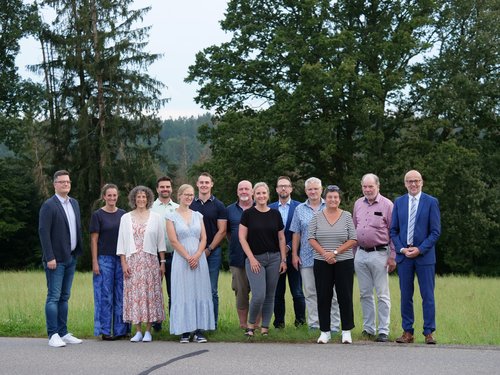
x: 108, y: 298
x: 299, y: 302
x: 59, y: 283
x: 214, y: 262
x: 263, y: 286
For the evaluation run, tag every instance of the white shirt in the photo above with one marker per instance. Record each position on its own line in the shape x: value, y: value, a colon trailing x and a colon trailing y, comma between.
x: 70, y: 215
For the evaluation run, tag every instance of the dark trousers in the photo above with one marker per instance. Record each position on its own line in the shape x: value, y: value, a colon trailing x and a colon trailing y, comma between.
x: 341, y: 276
x: 299, y: 302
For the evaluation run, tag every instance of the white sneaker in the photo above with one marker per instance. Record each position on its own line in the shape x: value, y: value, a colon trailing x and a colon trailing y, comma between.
x: 56, y: 342
x: 137, y: 337
x: 147, y: 337
x: 324, y: 338
x: 346, y: 337
x: 70, y: 339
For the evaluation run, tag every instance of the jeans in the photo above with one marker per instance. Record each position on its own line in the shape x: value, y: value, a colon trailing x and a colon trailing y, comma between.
x: 371, y: 270
x: 59, y: 283
x: 299, y: 304
x: 214, y: 262
x: 263, y: 286
x: 108, y: 298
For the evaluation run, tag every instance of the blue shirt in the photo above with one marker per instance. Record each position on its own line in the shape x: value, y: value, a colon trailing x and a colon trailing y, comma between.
x: 300, y: 224
x: 236, y: 253
x: 212, y: 211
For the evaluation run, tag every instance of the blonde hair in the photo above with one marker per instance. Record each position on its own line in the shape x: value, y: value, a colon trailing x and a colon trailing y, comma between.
x: 182, y: 189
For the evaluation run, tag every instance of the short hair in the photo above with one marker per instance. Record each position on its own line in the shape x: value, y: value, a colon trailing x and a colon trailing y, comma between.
x: 163, y: 178
x: 206, y: 174
x: 332, y: 189
x: 182, y: 189
x: 106, y: 187
x: 61, y: 172
x: 371, y: 175
x: 283, y: 178
x: 261, y: 184
x: 312, y: 180
x: 140, y: 189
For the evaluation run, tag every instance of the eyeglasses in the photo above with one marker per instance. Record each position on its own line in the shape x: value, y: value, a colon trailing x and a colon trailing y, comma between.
x: 188, y: 195
x: 332, y: 188
x: 284, y: 186
x: 62, y: 182
x: 410, y: 182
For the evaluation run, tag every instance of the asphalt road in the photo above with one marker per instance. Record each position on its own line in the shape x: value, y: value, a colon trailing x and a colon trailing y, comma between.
x: 33, y: 356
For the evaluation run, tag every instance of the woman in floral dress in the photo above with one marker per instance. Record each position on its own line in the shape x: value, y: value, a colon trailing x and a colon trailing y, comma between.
x: 192, y: 309
x: 141, y: 237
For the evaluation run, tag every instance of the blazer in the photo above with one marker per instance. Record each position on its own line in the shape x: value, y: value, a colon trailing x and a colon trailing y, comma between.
x: 427, y: 228
x: 53, y: 230
x: 291, y: 210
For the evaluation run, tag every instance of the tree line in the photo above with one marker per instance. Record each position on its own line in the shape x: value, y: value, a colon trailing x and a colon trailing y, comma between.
x: 332, y: 89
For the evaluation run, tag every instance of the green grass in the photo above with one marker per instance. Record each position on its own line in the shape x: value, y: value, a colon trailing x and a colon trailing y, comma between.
x: 467, y: 310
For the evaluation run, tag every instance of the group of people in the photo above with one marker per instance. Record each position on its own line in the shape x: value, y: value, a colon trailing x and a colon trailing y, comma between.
x: 316, y: 244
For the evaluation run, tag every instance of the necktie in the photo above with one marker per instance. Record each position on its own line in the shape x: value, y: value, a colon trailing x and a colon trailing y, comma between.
x: 411, y: 220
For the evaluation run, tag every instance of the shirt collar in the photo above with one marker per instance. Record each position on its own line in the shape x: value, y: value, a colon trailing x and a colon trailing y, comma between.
x: 61, y: 199
x: 286, y: 204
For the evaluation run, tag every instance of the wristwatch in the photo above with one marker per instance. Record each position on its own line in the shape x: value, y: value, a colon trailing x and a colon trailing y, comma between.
x: 335, y: 252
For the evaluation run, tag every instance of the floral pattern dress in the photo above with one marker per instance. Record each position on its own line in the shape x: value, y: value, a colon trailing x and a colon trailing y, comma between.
x: 142, y: 294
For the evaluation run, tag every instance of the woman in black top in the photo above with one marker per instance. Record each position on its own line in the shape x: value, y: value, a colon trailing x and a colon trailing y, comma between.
x: 262, y: 237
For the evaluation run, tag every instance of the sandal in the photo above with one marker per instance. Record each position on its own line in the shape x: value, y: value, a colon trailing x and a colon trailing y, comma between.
x: 249, y: 332
x: 264, y: 331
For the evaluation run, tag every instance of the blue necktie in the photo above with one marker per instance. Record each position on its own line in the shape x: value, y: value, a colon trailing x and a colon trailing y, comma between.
x: 411, y: 220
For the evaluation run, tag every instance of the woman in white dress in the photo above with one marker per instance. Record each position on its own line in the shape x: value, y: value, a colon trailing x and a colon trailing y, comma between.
x: 192, y: 307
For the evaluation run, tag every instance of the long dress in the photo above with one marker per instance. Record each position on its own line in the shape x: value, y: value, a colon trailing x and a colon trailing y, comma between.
x: 192, y: 306
x: 142, y: 293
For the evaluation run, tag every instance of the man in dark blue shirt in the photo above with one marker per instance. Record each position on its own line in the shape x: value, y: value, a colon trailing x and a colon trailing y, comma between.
x: 215, y: 220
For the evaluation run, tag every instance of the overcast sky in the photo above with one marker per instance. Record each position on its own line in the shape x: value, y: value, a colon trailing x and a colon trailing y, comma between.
x: 180, y: 28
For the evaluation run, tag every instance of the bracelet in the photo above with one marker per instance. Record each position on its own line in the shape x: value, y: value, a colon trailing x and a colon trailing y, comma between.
x: 283, y: 261
x: 163, y: 261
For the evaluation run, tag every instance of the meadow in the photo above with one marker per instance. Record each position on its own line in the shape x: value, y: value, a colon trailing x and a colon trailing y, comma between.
x: 467, y: 311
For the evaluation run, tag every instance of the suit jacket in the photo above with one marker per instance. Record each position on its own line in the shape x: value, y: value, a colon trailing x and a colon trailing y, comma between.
x: 427, y: 227
x: 53, y: 229
x: 291, y: 210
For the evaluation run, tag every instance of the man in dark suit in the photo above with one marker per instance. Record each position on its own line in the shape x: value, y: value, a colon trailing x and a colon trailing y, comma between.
x: 60, y: 234
x: 415, y: 229
x: 286, y: 206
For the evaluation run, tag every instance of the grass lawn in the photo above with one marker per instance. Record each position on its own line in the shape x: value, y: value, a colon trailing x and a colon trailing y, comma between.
x: 467, y: 310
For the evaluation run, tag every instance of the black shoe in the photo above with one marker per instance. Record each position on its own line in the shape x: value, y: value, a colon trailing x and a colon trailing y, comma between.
x: 157, y: 326
x: 367, y: 335
x: 107, y: 338
x: 382, y: 337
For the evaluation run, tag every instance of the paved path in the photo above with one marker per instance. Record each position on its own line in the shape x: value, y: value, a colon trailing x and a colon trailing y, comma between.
x: 33, y: 356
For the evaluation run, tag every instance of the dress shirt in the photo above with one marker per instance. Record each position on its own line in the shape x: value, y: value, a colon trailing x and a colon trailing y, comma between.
x: 283, y: 209
x: 372, y: 222
x: 70, y: 215
x: 163, y: 209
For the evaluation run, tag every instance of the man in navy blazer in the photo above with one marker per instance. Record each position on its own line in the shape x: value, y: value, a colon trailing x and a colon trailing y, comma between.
x: 286, y: 206
x: 415, y: 229
x: 60, y: 234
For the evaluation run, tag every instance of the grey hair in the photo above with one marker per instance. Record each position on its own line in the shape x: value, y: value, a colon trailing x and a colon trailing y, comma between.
x: 140, y: 189
x: 312, y: 180
x: 371, y: 175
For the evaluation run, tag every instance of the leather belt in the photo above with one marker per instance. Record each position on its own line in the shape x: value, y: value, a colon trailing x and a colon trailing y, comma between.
x: 375, y: 248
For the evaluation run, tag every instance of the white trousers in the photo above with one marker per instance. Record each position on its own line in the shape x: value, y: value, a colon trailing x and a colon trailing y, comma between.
x: 371, y: 270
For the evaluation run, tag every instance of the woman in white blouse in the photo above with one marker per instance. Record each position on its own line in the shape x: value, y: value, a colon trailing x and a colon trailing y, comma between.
x: 140, y: 239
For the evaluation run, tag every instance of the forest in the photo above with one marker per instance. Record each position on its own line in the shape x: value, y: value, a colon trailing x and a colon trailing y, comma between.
x: 331, y: 89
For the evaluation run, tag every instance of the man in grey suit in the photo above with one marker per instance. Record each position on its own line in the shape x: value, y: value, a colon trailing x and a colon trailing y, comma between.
x: 60, y: 234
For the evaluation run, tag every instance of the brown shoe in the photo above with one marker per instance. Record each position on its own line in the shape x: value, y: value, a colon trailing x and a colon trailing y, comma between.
x: 406, y: 338
x: 429, y: 339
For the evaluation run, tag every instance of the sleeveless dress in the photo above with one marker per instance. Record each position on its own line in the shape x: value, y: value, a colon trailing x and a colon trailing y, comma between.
x: 142, y: 293
x: 192, y: 307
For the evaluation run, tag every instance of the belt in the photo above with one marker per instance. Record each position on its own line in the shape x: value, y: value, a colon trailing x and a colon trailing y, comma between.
x: 375, y: 248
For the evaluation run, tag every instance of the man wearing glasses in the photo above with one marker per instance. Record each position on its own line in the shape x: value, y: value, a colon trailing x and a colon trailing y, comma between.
x: 286, y: 206
x: 60, y: 234
x: 415, y: 229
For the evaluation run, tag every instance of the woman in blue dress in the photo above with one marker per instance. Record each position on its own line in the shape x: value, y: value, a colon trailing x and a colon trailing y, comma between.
x: 106, y: 267
x: 192, y: 307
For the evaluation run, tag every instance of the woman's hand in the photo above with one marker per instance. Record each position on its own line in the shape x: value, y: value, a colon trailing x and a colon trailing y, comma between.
x: 192, y: 261
x: 254, y: 265
x: 283, y: 267
x: 95, y: 267
x: 330, y: 257
x: 126, y: 270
